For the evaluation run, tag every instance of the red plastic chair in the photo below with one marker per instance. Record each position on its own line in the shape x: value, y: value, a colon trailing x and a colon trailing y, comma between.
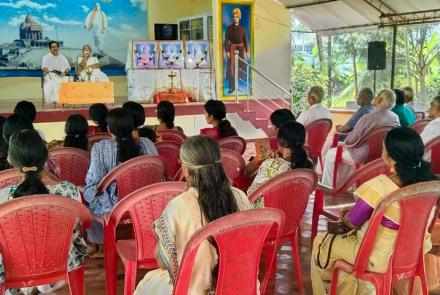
x: 233, y: 164
x: 97, y: 137
x: 416, y: 203
x: 289, y: 192
x: 133, y: 174
x: 419, y: 125
x: 212, y: 132
x: 239, y: 238
x: 10, y: 177
x: 143, y: 206
x: 434, y: 147
x: 73, y: 164
x: 172, y: 135
x: 361, y: 176
x: 420, y: 116
x: 235, y: 143
x: 170, y: 152
x: 374, y: 139
x: 35, y: 248
x: 317, y: 133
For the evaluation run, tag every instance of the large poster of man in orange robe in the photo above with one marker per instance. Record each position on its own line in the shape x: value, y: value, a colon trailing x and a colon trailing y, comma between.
x: 236, y: 38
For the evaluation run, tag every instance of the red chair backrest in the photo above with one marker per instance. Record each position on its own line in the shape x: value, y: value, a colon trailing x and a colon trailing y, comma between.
x: 374, y: 139
x: 317, y: 133
x: 419, y: 125
x: 73, y: 164
x: 235, y: 143
x: 170, y: 152
x: 416, y: 203
x: 10, y: 177
x: 134, y: 174
x: 434, y: 147
x: 420, y: 116
x: 172, y: 135
x: 97, y: 137
x: 35, y: 237
x: 239, y: 238
x: 233, y: 164
x: 289, y: 192
x: 144, y: 206
x: 363, y: 174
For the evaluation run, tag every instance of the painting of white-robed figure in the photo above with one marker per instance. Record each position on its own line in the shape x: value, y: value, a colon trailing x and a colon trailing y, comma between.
x: 171, y: 55
x: 197, y: 55
x: 145, y: 55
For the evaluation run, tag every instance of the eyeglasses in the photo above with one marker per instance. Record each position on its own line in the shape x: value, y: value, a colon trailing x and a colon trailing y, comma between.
x: 53, y: 47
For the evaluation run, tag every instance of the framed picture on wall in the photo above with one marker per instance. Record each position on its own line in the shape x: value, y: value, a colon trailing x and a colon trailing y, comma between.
x: 197, y: 55
x: 145, y: 55
x: 171, y: 55
x: 236, y: 25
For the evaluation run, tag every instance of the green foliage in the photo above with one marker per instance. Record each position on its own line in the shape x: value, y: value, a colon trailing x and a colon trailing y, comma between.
x: 417, y: 63
x: 305, y: 76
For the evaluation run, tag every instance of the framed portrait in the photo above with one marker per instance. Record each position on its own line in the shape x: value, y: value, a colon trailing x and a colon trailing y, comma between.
x: 197, y: 55
x: 145, y: 55
x: 236, y: 19
x: 171, y: 55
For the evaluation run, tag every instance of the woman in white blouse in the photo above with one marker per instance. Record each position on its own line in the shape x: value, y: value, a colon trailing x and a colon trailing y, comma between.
x: 88, y: 66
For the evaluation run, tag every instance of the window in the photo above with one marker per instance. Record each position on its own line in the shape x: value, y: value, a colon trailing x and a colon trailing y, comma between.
x: 196, y: 28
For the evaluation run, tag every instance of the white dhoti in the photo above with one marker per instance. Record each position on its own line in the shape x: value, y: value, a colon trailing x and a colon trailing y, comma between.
x: 51, y: 87
x: 96, y: 76
x: 346, y: 167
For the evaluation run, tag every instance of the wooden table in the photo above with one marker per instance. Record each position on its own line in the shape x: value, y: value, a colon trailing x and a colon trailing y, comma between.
x: 86, y: 93
x: 176, y: 97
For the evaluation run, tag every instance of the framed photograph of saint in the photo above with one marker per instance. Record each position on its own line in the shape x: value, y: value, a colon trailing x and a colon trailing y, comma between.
x: 197, y: 55
x: 171, y: 55
x: 236, y: 36
x: 145, y: 55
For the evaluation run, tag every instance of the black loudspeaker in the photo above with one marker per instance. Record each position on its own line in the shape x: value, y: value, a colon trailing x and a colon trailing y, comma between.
x: 377, y: 55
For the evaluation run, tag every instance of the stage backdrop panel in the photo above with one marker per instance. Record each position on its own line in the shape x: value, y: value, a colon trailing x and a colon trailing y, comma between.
x: 236, y: 21
x: 26, y: 27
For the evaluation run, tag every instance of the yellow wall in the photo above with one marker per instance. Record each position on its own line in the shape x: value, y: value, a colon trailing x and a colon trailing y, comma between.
x: 272, y: 51
x: 169, y: 11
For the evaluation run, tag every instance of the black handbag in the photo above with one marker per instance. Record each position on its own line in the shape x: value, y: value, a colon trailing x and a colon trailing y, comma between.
x: 334, y: 228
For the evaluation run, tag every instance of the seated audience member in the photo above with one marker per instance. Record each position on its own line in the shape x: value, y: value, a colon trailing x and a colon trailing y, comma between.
x: 215, y: 115
x: 403, y: 152
x: 406, y: 116
x: 88, y: 68
x: 98, y: 113
x: 28, y: 152
x: 316, y: 110
x: 292, y: 155
x: 12, y: 124
x: 380, y: 117
x: 432, y: 130
x: 277, y: 119
x: 76, y: 130
x: 105, y: 156
x: 137, y: 112
x: 28, y: 110
x: 149, y: 133
x: 365, y: 101
x: 409, y: 98
x: 210, y: 196
x: 165, y: 114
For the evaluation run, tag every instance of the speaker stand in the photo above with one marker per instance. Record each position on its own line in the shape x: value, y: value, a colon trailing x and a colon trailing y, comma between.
x: 374, y: 82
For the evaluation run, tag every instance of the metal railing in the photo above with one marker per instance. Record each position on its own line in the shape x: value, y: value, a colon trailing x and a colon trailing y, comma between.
x: 259, y: 87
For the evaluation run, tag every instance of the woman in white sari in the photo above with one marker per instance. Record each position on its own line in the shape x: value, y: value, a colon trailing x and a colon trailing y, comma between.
x: 209, y: 197
x: 89, y: 68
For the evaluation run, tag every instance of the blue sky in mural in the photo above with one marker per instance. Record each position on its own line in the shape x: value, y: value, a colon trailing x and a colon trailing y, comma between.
x: 64, y: 20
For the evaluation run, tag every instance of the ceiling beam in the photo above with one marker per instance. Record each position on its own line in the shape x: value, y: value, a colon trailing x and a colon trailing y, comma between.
x: 310, y: 3
x: 346, y: 29
x: 410, y: 18
x: 380, y: 6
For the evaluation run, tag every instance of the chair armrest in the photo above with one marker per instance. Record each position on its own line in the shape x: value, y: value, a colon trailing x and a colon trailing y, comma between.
x: 343, y: 265
x: 325, y: 189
